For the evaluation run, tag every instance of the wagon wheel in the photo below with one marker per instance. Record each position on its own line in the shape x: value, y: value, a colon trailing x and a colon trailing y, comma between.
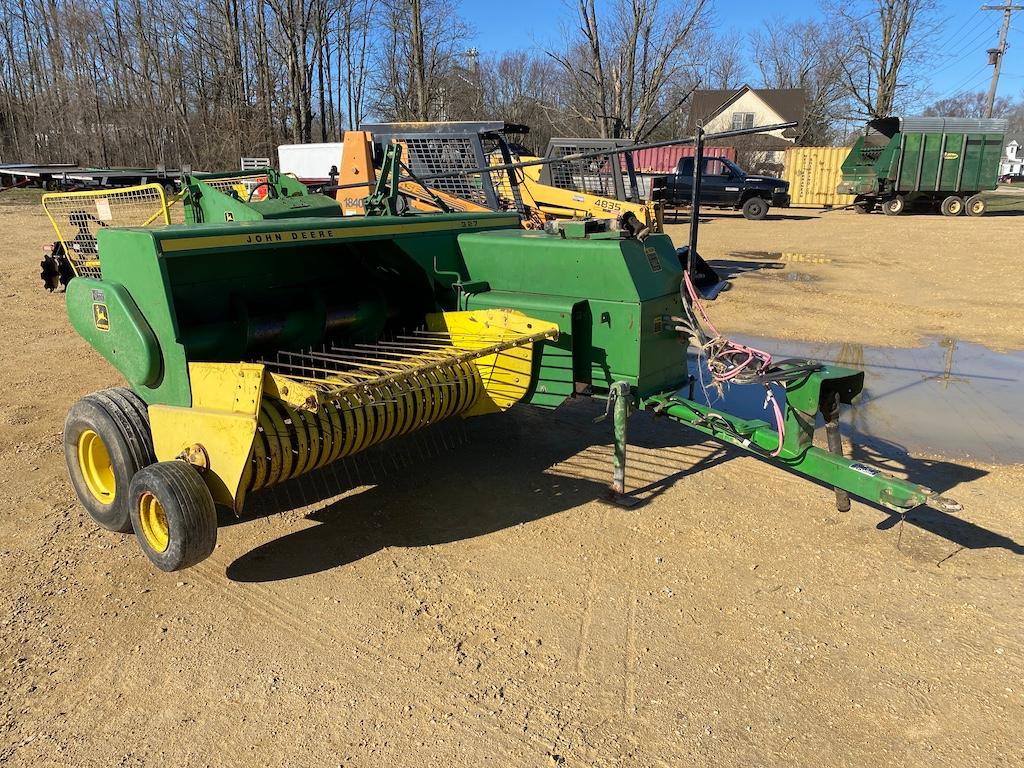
x: 952, y: 206
x: 894, y: 206
x: 864, y: 205
x: 976, y: 206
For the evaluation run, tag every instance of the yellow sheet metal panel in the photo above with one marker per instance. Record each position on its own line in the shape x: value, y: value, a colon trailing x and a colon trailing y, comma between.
x: 813, y: 174
x: 506, y: 373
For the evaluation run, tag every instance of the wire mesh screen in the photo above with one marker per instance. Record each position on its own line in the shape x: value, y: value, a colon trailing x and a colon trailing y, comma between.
x: 77, y: 217
x: 245, y: 185
x: 508, y: 194
x: 591, y: 175
x: 429, y: 155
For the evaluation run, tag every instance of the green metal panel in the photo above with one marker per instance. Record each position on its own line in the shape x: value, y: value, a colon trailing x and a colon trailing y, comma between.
x: 981, y: 165
x: 129, y: 258
x: 105, y: 315
x: 230, y: 292
x: 911, y: 159
x: 931, y: 155
x: 625, y: 286
x: 952, y: 160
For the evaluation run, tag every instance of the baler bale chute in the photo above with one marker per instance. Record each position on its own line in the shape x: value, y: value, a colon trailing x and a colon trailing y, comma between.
x: 260, y: 351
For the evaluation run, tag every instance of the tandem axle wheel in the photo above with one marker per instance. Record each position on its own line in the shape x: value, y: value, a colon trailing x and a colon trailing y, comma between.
x: 108, y: 448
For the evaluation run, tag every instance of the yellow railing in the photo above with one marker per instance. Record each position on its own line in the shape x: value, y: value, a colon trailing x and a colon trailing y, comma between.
x: 77, y: 217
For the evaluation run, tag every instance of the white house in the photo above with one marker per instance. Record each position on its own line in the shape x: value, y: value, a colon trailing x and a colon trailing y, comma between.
x: 1012, y: 160
x: 746, y: 107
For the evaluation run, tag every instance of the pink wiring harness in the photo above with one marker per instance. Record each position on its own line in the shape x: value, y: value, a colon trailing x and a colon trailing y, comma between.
x: 728, y: 361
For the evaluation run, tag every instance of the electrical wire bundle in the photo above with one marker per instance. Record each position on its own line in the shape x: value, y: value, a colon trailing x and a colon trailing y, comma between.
x: 729, y: 362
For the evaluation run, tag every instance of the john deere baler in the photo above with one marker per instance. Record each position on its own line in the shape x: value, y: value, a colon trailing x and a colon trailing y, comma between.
x: 260, y: 351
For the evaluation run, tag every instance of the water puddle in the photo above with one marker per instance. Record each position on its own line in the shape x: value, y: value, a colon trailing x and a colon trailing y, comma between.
x: 949, y: 398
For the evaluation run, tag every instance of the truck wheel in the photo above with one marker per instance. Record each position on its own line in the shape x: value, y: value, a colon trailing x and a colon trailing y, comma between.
x: 976, y: 206
x: 173, y: 515
x: 864, y: 205
x: 894, y: 206
x: 755, y: 209
x: 106, y: 441
x: 952, y: 206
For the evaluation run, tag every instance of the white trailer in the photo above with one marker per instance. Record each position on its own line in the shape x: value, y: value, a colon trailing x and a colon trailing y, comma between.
x: 310, y: 163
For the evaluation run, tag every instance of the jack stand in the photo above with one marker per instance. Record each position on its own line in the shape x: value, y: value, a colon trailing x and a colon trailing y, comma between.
x: 619, y: 400
x: 835, y: 445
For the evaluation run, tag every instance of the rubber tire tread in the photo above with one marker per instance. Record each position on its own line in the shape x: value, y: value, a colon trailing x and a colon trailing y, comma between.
x: 134, y: 451
x: 134, y: 407
x: 759, y: 217
x: 949, y: 201
x: 188, y: 506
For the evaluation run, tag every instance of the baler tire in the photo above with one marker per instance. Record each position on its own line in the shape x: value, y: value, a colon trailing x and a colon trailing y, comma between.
x: 863, y: 205
x: 135, y: 408
x: 173, y: 515
x: 104, y: 446
x: 952, y: 206
x: 755, y: 209
x: 976, y: 205
x: 894, y: 206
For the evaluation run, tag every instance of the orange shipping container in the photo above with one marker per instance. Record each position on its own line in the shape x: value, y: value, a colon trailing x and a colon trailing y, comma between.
x: 813, y: 174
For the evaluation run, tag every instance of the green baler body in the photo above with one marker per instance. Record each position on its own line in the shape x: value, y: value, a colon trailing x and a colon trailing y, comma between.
x: 246, y: 290
x: 251, y: 290
x: 283, y: 197
x: 924, y: 156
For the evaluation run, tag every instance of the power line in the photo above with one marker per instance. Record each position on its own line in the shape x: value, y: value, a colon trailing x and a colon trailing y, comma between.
x: 958, y: 55
x: 970, y: 83
x: 984, y: 24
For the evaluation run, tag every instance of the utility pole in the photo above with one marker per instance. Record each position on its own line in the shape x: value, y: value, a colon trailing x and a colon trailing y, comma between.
x: 995, y: 55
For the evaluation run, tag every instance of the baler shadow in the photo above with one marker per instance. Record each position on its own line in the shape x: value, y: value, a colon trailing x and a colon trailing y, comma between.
x: 486, y: 485
x: 524, y: 466
x: 729, y: 269
x: 940, y: 476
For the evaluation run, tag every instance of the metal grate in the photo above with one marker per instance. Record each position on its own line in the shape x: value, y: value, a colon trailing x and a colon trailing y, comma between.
x: 592, y: 175
x: 243, y: 184
x: 78, y: 217
x: 429, y: 155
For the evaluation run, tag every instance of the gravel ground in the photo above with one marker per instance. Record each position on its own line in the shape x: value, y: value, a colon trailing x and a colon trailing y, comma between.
x: 471, y: 600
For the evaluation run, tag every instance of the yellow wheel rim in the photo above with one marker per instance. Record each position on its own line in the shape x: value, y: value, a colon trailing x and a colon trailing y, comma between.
x: 97, y: 471
x: 154, y: 522
x: 977, y: 206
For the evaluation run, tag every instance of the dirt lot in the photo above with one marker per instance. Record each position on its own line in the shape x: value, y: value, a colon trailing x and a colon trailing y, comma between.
x: 473, y: 602
x: 879, y: 280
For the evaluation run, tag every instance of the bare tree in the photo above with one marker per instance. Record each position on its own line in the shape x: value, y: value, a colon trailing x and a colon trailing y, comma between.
x: 806, y: 55
x: 726, y: 62
x: 970, y: 104
x: 421, y: 44
x: 619, y: 63
x: 888, y: 39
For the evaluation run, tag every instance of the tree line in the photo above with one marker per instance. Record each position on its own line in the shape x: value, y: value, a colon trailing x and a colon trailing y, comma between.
x: 142, y: 82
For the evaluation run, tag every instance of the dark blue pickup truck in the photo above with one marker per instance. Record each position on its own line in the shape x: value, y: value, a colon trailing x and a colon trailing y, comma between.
x: 723, y: 185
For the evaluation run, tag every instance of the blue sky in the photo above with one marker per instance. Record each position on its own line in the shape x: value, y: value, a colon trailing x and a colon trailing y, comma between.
x: 961, y: 61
